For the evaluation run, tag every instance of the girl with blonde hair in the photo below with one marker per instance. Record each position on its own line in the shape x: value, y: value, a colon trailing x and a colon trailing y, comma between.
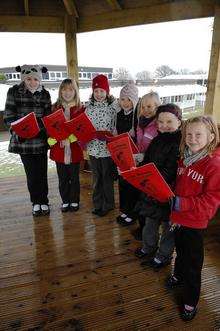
x: 196, y: 202
x: 67, y: 154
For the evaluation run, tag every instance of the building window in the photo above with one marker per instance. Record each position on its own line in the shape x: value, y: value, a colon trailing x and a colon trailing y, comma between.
x: 109, y: 76
x: 64, y: 74
x: 10, y: 76
x: 80, y: 75
x: 14, y: 76
x: 84, y: 75
x: 58, y: 74
x: 89, y: 75
x: 52, y: 75
x: 45, y: 75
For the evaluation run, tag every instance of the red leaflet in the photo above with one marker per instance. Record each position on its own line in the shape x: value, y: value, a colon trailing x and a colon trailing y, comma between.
x: 148, y: 179
x: 126, y: 134
x: 121, y: 153
x: 54, y: 124
x: 26, y: 127
x: 81, y: 127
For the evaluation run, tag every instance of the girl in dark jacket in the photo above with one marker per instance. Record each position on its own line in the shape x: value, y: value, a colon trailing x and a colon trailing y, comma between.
x: 67, y: 153
x: 30, y: 96
x: 164, y: 153
x: 127, y: 122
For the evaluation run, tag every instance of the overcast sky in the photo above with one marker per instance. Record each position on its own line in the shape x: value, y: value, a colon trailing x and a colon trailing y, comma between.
x: 182, y: 44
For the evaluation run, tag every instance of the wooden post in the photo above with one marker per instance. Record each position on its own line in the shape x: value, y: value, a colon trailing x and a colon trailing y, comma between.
x: 212, y: 105
x: 71, y: 46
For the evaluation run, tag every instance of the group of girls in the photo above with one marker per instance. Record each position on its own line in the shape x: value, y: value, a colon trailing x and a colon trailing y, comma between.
x: 186, y: 154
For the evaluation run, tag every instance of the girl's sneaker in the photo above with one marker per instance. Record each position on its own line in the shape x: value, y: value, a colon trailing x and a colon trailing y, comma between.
x: 140, y: 252
x: 156, y: 264
x: 188, y: 313
x: 121, y: 218
x: 36, y: 210
x: 74, y: 206
x: 127, y: 221
x: 45, y: 210
x: 65, y: 207
x: 172, y: 282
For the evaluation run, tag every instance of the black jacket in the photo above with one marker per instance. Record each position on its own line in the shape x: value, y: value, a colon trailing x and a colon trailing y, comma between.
x: 164, y: 153
x: 125, y: 122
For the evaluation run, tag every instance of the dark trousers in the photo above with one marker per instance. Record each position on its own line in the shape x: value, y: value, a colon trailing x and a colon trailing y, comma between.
x: 69, y: 186
x: 128, y: 196
x: 189, y: 261
x: 151, y: 235
x: 35, y: 166
x: 103, y: 183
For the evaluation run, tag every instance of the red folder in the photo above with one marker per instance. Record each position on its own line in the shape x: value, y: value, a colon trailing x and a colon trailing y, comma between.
x: 148, y: 179
x: 54, y: 124
x: 103, y: 134
x: 126, y: 134
x: 26, y: 127
x: 121, y: 153
x: 81, y: 127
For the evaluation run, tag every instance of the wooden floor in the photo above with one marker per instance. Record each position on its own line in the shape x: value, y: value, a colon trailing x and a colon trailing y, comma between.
x: 76, y: 271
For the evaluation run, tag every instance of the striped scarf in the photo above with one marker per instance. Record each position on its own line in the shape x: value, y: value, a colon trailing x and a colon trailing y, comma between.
x: 190, y: 158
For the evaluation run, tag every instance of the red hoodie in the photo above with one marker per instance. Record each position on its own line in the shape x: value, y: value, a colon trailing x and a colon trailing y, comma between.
x: 198, y: 187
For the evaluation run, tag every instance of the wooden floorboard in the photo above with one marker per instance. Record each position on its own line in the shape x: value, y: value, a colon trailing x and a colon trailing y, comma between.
x: 76, y: 271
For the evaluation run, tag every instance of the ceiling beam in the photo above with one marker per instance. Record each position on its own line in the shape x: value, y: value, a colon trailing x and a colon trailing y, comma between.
x: 114, y: 4
x: 26, y: 7
x: 173, y: 11
x: 71, y: 8
x: 31, y: 24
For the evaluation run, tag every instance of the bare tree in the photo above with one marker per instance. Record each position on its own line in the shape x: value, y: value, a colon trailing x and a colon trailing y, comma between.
x: 163, y: 71
x: 184, y: 71
x: 122, y: 74
x: 143, y: 75
x: 2, y: 76
x: 199, y: 71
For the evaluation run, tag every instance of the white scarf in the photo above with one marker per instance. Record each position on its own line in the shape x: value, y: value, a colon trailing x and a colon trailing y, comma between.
x: 66, y: 143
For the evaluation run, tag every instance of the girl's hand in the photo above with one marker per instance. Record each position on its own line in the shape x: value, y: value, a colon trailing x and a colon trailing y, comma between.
x: 51, y: 141
x: 175, y: 203
x: 72, y: 138
x: 139, y: 157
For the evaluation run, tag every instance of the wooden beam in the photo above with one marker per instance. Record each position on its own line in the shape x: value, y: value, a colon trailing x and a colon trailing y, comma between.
x: 26, y: 7
x: 114, y: 4
x: 173, y: 11
x: 71, y: 8
x: 31, y: 24
x: 71, y: 47
x: 212, y: 105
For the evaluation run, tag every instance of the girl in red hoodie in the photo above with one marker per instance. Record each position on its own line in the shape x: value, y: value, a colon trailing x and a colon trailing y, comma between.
x: 196, y: 202
x: 68, y: 152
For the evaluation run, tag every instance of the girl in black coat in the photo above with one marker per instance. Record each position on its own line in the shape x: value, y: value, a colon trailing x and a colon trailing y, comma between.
x: 127, y: 122
x: 164, y: 153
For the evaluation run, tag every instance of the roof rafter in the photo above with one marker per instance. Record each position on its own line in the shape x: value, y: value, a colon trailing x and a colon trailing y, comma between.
x: 172, y: 11
x: 114, y: 4
x: 71, y: 8
x: 26, y: 7
x: 31, y: 24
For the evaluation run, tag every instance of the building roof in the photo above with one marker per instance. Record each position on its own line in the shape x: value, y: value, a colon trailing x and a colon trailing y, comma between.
x: 90, y: 15
x: 51, y: 67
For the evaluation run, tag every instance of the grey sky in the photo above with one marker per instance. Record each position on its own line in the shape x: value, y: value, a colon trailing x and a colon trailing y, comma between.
x: 182, y: 44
